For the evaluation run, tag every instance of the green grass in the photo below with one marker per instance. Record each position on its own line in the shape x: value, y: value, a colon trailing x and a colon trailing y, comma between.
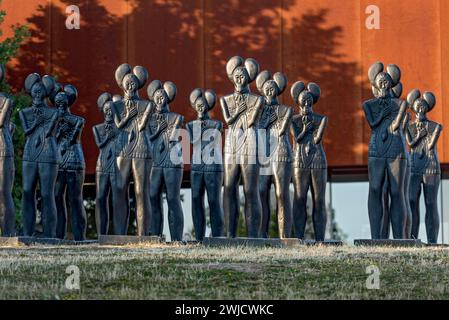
x: 195, y: 272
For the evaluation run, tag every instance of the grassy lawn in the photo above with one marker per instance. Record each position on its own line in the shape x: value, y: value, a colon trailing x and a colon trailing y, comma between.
x: 195, y: 272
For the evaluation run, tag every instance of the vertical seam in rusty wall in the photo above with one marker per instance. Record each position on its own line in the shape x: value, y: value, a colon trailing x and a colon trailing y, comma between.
x: 360, y: 25
x: 282, y: 40
x: 126, y: 31
x: 441, y: 74
x: 203, y: 36
x: 50, y: 38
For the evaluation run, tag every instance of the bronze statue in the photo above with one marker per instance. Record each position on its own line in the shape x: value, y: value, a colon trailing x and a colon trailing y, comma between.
x: 422, y: 136
x: 309, y: 160
x: 70, y: 180
x: 241, y: 111
x: 275, y: 123
x: 40, y: 156
x: 133, y: 150
x: 387, y: 155
x: 105, y: 135
x: 164, y: 129
x: 206, y: 171
x: 7, y: 210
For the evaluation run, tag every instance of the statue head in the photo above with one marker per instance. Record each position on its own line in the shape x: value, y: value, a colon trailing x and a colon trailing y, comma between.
x: 421, y: 104
x: 384, y: 83
x: 271, y: 87
x: 242, y: 72
x: 304, y: 96
x: 202, y: 101
x: 131, y: 80
x: 39, y: 88
x: 104, y: 103
x: 161, y: 94
x: 63, y: 97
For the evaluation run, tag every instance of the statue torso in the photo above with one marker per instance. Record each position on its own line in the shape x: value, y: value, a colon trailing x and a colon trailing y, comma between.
x: 107, y: 156
x: 69, y: 143
x: 6, y: 144
x: 423, y: 159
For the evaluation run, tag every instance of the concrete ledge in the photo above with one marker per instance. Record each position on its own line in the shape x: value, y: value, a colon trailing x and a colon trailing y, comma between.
x: 112, y: 240
x: 9, y: 241
x: 388, y: 242
x: 15, y: 241
x: 251, y: 242
x: 329, y: 242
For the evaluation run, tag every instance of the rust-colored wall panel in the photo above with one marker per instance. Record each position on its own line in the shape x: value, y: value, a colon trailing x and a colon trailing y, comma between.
x: 189, y: 42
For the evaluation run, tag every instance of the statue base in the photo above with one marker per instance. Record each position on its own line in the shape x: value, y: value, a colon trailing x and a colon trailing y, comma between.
x: 114, y: 240
x: 388, y: 242
x: 28, y: 241
x: 328, y: 242
x: 251, y: 242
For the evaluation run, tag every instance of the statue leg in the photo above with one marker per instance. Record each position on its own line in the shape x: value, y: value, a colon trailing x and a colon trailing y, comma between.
x: 29, y: 182
x: 301, y: 183
x: 103, y: 187
x: 48, y: 172
x: 231, y: 203
x: 198, y: 211
x: 282, y: 178
x: 141, y: 173
x: 377, y: 175
x: 75, y: 182
x: 173, y: 180
x: 386, y: 219
x: 398, y: 210
x: 253, y: 208
x: 214, y: 182
x: 319, y: 215
x: 157, y: 218
x: 431, y: 186
x: 120, y: 216
x: 415, y: 194
x: 264, y: 189
x: 408, y: 224
x: 61, y: 206
x: 7, y: 209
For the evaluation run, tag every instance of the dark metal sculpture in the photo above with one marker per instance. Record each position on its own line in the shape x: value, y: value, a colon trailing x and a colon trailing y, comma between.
x: 7, y: 210
x: 241, y: 111
x: 206, y: 171
x: 40, y: 155
x: 131, y: 115
x: 274, y: 124
x: 70, y: 180
x: 164, y: 129
x: 105, y: 135
x: 422, y: 136
x: 387, y: 155
x: 309, y: 164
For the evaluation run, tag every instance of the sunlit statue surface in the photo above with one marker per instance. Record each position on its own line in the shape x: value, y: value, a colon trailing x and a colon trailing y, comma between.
x: 206, y: 170
x: 241, y: 112
x: 422, y: 136
x: 105, y: 135
x: 387, y: 155
x: 164, y: 133
x: 7, y: 210
x: 40, y: 156
x: 309, y: 160
x: 276, y: 168
x: 70, y: 180
x: 133, y: 150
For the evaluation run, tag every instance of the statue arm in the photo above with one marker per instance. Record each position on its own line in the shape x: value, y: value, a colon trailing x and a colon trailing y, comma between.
x: 78, y: 129
x: 225, y: 110
x: 53, y: 123
x: 435, y: 136
x: 146, y: 116
x: 287, y: 121
x: 319, y: 134
x: 159, y: 130
x: 27, y: 130
x: 257, y: 111
x: 7, y: 105
x: 400, y: 117
x: 178, y: 125
x: 373, y: 123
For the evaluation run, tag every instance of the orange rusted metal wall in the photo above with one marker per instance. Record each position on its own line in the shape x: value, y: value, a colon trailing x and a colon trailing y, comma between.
x: 189, y: 42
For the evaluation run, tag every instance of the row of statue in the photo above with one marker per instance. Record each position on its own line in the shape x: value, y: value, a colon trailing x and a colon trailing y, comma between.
x: 139, y: 140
